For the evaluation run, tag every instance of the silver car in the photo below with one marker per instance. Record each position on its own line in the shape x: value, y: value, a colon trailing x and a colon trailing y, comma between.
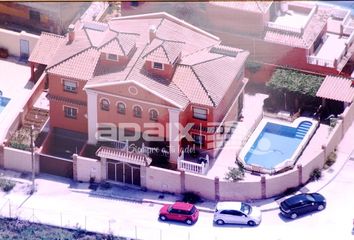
x: 237, y: 213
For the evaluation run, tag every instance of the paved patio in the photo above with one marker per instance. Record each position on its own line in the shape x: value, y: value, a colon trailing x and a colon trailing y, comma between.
x: 14, y: 84
x: 253, y: 108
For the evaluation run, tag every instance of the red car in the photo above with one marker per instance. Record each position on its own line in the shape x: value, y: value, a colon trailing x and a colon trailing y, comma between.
x: 179, y: 211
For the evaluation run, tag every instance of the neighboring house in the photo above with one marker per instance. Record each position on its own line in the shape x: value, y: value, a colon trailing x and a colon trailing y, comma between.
x: 35, y: 17
x: 143, y: 69
x: 299, y: 35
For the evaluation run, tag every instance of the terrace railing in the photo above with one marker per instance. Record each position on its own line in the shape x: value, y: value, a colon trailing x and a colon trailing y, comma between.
x: 281, y: 27
x: 321, y: 61
x: 188, y: 166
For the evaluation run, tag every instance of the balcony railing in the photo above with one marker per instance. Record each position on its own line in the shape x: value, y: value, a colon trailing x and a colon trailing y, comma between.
x: 276, y: 26
x: 321, y: 62
x: 188, y: 166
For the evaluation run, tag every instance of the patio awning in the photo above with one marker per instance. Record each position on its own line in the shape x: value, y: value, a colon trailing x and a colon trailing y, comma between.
x: 336, y: 88
x: 124, y: 156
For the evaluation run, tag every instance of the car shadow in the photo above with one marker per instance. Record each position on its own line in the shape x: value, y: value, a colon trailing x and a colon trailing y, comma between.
x: 233, y: 225
x: 286, y: 219
x: 177, y: 223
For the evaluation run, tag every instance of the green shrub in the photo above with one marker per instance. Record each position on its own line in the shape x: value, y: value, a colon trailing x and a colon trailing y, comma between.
x: 316, y: 174
x: 6, y: 185
x: 235, y: 174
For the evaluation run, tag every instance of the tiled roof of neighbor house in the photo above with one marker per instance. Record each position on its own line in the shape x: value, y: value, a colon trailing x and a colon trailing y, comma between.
x: 337, y: 88
x: 45, y: 48
x: 252, y: 6
x: 310, y: 33
x: 203, y: 73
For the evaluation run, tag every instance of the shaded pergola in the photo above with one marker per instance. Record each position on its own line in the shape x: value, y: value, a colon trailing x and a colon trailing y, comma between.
x: 337, y: 93
x: 293, y: 90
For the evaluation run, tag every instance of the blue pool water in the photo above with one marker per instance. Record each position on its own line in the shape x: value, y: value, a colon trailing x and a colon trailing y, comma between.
x: 3, y: 102
x: 275, y: 144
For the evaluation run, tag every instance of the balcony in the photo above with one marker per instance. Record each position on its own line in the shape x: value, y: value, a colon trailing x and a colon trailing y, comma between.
x: 197, y: 165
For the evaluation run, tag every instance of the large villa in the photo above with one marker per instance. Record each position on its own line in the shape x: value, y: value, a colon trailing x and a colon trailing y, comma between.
x: 152, y: 101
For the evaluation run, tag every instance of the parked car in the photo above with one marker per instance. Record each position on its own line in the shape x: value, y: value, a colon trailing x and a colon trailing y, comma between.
x: 301, y: 204
x: 238, y: 213
x: 179, y: 211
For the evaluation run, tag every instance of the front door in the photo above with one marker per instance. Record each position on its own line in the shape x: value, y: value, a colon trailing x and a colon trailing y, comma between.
x: 24, y: 49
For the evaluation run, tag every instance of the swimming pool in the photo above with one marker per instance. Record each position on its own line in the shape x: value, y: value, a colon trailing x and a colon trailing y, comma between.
x: 275, y: 144
x: 3, y: 102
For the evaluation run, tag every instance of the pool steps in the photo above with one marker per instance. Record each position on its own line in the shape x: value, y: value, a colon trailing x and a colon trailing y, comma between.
x: 302, y: 129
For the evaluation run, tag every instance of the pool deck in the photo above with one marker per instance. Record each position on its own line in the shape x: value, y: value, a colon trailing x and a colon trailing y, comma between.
x: 14, y: 84
x: 253, y: 108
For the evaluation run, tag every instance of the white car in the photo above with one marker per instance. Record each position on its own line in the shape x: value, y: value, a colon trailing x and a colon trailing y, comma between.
x: 237, y: 213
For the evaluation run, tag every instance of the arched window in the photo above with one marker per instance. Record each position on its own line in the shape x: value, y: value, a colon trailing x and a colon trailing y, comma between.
x: 153, y: 115
x: 137, y: 111
x: 121, y: 108
x: 105, y: 104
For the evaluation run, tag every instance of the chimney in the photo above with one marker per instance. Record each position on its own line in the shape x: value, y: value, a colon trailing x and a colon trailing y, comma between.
x: 152, y: 32
x: 71, y: 33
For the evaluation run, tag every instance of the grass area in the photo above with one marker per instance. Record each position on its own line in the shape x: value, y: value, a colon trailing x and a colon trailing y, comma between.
x: 23, y: 230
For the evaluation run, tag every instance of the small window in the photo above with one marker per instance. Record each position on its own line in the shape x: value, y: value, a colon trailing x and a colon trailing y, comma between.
x: 137, y: 112
x: 105, y: 105
x: 153, y: 115
x: 121, y: 108
x: 70, y: 112
x: 199, y: 139
x: 70, y: 86
x: 157, y: 65
x: 34, y: 16
x: 200, y: 113
x: 112, y: 57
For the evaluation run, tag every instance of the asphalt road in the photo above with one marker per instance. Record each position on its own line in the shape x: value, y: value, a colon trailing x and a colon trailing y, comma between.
x: 56, y: 204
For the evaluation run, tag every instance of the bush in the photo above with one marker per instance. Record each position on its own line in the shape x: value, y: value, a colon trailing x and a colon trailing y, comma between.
x: 235, y: 174
x: 316, y: 174
x: 6, y: 185
x: 191, y: 197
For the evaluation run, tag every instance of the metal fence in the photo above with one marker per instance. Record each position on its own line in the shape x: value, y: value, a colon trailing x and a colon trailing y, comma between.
x: 92, y: 222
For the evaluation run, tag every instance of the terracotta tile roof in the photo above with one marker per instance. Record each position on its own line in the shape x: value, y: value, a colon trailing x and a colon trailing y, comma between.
x: 204, y: 68
x: 164, y: 87
x: 203, y: 75
x: 187, y: 81
x: 124, y: 156
x: 195, y: 40
x: 163, y: 51
x: 310, y: 33
x: 46, y: 47
x: 121, y: 45
x: 337, y: 88
x: 80, y: 66
x: 252, y: 6
x: 66, y: 51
